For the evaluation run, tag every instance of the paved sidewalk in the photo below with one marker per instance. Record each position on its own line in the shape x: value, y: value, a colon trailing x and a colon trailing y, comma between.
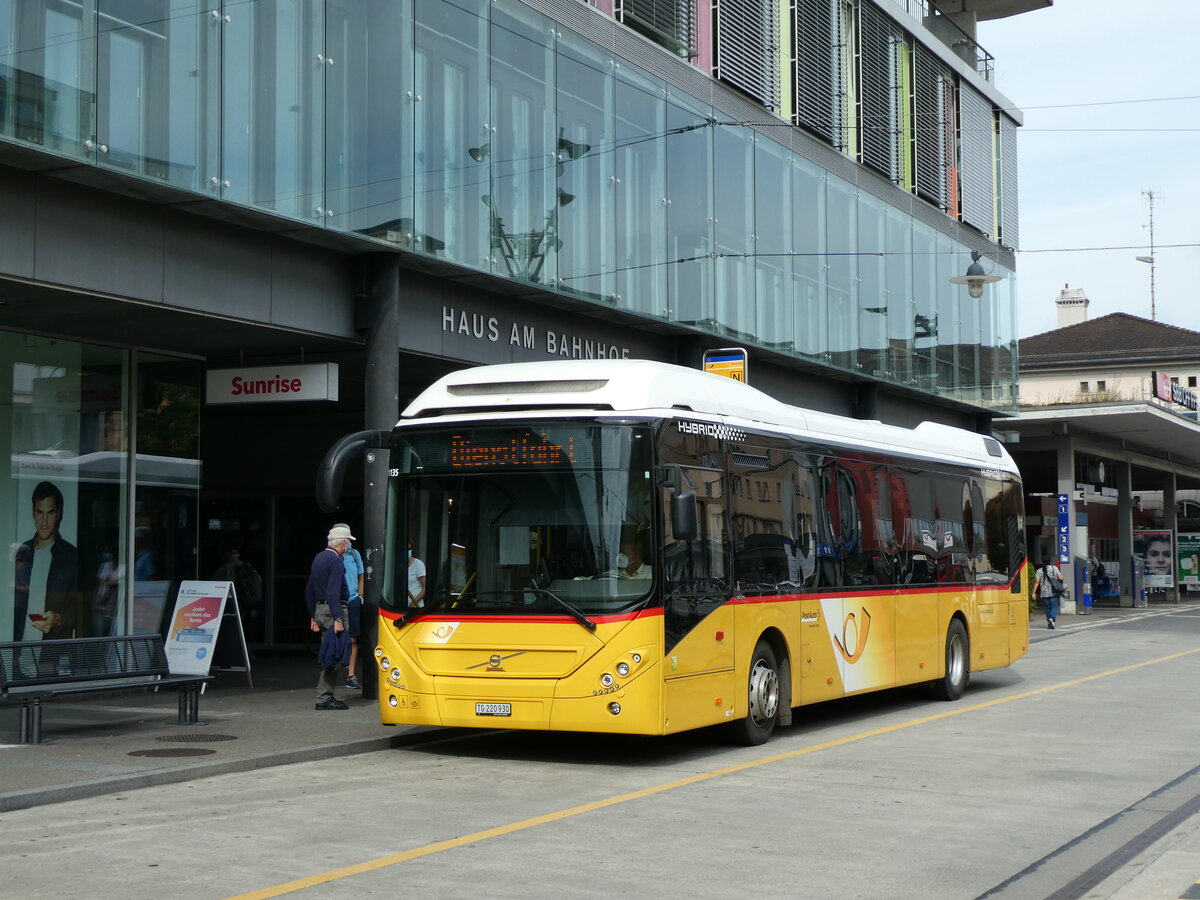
x: 101, y: 744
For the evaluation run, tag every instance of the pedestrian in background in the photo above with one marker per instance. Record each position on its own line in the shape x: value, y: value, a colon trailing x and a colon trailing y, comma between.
x: 326, y: 596
x: 1049, y: 587
x: 355, y: 576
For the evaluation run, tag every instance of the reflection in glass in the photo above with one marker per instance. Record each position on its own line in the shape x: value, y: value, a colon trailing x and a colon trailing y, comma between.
x: 733, y: 229
x: 773, y: 246
x: 689, y: 157
x: 640, y: 182
x: 841, y: 266
x: 808, y: 203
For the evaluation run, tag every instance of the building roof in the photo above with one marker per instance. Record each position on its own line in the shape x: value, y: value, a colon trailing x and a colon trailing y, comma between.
x: 1115, y: 338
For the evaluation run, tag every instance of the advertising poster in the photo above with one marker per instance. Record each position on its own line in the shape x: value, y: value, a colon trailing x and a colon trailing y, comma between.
x: 1155, y: 550
x: 1188, y: 561
x: 192, y: 634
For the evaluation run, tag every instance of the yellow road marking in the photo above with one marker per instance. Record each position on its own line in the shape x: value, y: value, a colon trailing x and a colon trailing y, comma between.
x: 392, y: 859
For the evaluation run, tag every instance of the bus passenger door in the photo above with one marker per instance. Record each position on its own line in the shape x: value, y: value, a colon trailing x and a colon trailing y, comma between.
x: 699, y: 680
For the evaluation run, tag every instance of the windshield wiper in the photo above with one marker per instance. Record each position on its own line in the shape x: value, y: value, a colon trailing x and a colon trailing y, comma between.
x: 575, y: 612
x: 415, y: 612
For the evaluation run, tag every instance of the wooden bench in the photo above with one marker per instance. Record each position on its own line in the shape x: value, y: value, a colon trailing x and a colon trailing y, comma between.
x: 32, y: 672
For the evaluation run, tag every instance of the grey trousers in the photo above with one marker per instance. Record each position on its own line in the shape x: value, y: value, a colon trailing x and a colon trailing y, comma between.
x: 327, y: 680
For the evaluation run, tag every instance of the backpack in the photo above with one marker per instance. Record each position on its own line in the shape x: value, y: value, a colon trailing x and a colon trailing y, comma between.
x: 1056, y: 583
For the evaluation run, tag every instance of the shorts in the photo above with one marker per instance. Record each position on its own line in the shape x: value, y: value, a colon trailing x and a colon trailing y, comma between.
x: 354, y: 608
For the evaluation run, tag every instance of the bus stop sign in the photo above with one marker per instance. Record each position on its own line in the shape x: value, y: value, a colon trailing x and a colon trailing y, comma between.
x: 729, y: 361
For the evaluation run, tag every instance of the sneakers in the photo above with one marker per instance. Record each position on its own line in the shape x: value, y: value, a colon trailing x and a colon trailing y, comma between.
x: 1050, y: 622
x: 332, y: 703
x: 353, y: 683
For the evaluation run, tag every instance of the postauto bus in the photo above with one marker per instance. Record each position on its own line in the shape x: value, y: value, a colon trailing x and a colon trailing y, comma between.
x: 628, y: 546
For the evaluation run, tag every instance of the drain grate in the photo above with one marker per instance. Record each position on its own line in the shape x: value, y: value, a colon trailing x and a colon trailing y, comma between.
x: 197, y: 738
x: 172, y: 751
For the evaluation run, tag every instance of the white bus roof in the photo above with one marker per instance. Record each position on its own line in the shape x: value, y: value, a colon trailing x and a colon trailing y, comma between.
x: 636, y: 386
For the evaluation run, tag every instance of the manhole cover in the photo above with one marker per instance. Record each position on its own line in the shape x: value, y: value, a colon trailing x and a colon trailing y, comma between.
x: 196, y: 738
x: 172, y: 751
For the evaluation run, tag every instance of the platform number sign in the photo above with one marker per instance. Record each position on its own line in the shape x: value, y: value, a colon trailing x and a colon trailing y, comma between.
x: 729, y: 361
x: 1064, y: 529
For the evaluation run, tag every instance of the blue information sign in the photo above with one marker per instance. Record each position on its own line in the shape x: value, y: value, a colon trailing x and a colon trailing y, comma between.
x: 1064, y: 529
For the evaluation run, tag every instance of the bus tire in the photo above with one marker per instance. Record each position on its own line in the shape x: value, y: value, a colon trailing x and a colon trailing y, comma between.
x: 762, y: 708
x: 958, y: 663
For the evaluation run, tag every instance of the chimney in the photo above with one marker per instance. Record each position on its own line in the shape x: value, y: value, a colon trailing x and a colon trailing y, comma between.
x: 1072, y: 306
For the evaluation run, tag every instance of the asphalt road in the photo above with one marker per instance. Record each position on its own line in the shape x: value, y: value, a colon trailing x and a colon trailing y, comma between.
x: 1074, y: 773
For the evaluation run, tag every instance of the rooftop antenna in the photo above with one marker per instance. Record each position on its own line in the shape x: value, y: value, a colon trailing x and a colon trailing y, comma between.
x: 1150, y: 197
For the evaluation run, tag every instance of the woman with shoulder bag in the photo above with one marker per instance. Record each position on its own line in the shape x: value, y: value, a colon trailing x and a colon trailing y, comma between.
x: 1049, y: 587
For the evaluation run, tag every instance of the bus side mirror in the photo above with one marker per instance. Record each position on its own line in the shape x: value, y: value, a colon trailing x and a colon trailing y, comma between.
x: 685, y: 524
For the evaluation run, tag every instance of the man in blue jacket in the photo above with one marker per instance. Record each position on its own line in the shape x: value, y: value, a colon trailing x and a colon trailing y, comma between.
x: 326, y: 596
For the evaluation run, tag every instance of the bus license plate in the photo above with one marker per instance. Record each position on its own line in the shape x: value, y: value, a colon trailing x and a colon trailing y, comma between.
x: 493, y: 709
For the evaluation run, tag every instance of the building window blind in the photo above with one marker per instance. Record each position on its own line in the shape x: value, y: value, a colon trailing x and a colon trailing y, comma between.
x: 668, y: 23
x: 933, y: 126
x: 820, y: 67
x: 977, y: 168
x: 747, y: 48
x: 881, y: 43
x: 1007, y: 187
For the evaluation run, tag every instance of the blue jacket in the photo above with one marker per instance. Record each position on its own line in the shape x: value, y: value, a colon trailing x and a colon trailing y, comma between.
x: 335, y: 649
x: 327, y: 582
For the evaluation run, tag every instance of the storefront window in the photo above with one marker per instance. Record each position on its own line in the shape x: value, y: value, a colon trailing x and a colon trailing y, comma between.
x: 63, y: 420
x: 167, y: 478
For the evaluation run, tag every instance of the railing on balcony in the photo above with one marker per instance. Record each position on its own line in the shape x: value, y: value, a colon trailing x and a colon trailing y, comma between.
x: 944, y: 28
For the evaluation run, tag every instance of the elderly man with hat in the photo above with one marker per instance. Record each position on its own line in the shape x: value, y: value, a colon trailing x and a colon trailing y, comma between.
x: 327, y: 596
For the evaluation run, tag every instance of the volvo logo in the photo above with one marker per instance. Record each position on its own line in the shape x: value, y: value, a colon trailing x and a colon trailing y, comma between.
x: 495, y: 661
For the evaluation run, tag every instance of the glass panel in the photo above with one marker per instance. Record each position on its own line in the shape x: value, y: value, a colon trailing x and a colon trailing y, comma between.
x: 640, y: 172
x: 368, y: 127
x: 925, y: 318
x: 165, y: 538
x: 808, y: 204
x: 47, y: 75
x: 272, y: 96
x: 899, y: 291
x: 951, y: 260
x: 872, y: 300
x: 153, y: 78
x: 773, y: 245
x: 454, y: 146
x: 584, y: 186
x: 841, y: 268
x: 733, y: 227
x: 64, y: 427
x: 689, y: 156
x: 523, y: 202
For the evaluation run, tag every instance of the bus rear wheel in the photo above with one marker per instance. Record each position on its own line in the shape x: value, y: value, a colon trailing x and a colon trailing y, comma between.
x: 762, y: 708
x: 958, y: 663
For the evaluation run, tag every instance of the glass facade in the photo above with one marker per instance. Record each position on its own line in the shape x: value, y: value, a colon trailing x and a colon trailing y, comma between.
x: 487, y: 135
x: 82, y: 511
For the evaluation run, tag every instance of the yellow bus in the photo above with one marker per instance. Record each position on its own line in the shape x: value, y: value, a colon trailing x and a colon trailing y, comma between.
x: 632, y: 547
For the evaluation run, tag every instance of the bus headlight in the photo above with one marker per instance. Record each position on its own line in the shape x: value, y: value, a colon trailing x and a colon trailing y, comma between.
x: 392, y: 701
x: 614, y: 708
x: 385, y: 664
x: 622, y: 669
x: 606, y: 680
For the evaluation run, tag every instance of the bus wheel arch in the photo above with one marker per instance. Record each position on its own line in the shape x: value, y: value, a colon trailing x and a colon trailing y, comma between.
x: 957, y: 673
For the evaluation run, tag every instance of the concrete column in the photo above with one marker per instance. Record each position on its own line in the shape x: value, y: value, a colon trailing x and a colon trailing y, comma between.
x: 1123, y: 475
x: 381, y: 316
x: 1171, y: 523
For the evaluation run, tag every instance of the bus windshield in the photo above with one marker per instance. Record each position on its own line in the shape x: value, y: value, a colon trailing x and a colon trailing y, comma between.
x: 519, y: 518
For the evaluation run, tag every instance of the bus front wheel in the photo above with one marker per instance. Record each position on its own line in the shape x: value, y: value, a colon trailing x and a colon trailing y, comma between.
x: 762, y: 708
x: 958, y: 663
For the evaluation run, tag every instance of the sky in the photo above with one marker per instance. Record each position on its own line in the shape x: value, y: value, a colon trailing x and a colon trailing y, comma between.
x: 1084, y: 169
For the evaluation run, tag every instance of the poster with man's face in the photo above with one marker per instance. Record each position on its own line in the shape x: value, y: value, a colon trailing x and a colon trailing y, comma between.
x: 1157, y: 552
